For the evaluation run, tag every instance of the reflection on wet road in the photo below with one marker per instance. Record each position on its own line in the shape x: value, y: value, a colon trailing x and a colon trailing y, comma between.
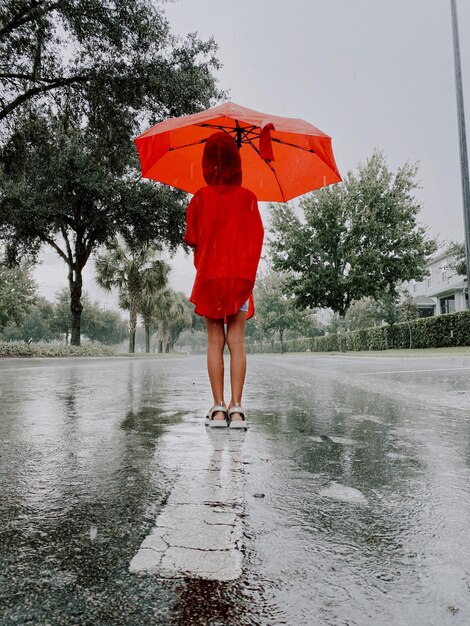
x: 347, y: 502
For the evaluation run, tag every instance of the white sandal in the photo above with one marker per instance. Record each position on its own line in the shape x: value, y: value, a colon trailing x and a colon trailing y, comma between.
x: 213, y: 423
x: 240, y: 423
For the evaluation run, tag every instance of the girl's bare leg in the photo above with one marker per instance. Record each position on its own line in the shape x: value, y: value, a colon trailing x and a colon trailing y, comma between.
x: 215, y: 361
x: 236, y: 345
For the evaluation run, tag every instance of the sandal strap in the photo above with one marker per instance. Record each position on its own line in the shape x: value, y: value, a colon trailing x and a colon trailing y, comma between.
x: 216, y: 409
x: 237, y: 409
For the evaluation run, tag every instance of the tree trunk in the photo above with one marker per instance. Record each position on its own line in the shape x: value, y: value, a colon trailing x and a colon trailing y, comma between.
x: 160, y: 346
x: 342, y: 329
x: 147, y: 338
x: 132, y: 326
x: 167, y: 347
x: 281, y: 337
x: 75, y: 286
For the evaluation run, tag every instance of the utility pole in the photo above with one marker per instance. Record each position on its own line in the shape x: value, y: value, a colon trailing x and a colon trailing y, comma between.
x: 462, y: 140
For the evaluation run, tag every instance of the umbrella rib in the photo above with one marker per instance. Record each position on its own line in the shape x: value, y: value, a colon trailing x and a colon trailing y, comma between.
x: 292, y: 145
x: 187, y: 145
x: 251, y: 130
x: 245, y: 130
x: 245, y: 134
x: 271, y: 168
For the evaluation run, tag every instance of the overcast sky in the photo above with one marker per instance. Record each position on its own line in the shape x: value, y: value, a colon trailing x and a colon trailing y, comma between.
x: 368, y: 73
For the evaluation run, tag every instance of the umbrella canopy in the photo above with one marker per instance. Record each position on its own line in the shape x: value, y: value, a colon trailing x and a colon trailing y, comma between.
x: 281, y: 157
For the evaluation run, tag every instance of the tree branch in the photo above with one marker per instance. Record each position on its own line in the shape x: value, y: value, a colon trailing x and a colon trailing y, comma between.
x: 25, y: 16
x: 59, y: 251
x: 67, y: 243
x: 27, y: 95
x: 90, y: 244
x: 13, y: 76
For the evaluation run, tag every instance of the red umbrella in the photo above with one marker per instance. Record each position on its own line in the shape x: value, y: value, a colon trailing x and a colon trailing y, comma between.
x: 281, y: 157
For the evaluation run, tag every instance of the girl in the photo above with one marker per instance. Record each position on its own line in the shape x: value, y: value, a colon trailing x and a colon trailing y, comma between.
x: 224, y: 227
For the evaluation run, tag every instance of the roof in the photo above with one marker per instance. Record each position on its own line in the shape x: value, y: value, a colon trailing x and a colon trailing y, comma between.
x: 424, y: 301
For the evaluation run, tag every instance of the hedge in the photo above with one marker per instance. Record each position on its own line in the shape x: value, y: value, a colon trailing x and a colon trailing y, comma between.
x: 442, y: 331
x: 21, y: 349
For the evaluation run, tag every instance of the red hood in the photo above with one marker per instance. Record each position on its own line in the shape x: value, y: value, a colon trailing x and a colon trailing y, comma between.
x: 221, y: 163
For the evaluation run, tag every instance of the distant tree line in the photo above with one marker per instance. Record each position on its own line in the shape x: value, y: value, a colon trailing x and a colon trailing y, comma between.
x: 26, y: 316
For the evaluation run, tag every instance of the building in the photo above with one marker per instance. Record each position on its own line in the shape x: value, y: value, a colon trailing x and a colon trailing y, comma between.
x: 442, y: 291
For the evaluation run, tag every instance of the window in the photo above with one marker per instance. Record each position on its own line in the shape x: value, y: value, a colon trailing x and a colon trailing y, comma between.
x: 447, y: 304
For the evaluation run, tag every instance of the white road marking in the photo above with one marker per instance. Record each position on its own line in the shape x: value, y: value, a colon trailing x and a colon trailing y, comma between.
x: 446, y: 369
x: 198, y: 532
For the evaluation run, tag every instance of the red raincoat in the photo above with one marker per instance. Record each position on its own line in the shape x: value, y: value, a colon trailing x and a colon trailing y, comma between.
x: 224, y: 227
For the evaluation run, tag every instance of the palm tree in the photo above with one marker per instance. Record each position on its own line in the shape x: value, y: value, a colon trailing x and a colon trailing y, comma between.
x: 135, y: 271
x: 153, y: 306
x: 172, y: 317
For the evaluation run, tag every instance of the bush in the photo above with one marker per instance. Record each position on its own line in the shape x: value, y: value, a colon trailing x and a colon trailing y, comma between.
x: 441, y: 331
x: 21, y: 349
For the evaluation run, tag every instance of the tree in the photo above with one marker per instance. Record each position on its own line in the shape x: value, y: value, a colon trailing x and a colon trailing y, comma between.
x: 362, y: 314
x: 69, y: 173
x: 173, y: 316
x: 408, y: 308
x: 153, y: 307
x: 113, y: 330
x: 106, y: 52
x: 459, y: 264
x: 37, y: 324
x: 195, y: 339
x: 62, y: 318
x: 336, y: 324
x: 358, y: 239
x: 276, y: 311
x: 135, y: 271
x: 17, y: 293
x: 101, y: 325
x: 308, y: 326
x: 387, y: 307
x: 253, y: 330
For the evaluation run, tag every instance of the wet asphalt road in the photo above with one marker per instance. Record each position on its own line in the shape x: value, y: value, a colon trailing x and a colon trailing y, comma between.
x: 354, y: 503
